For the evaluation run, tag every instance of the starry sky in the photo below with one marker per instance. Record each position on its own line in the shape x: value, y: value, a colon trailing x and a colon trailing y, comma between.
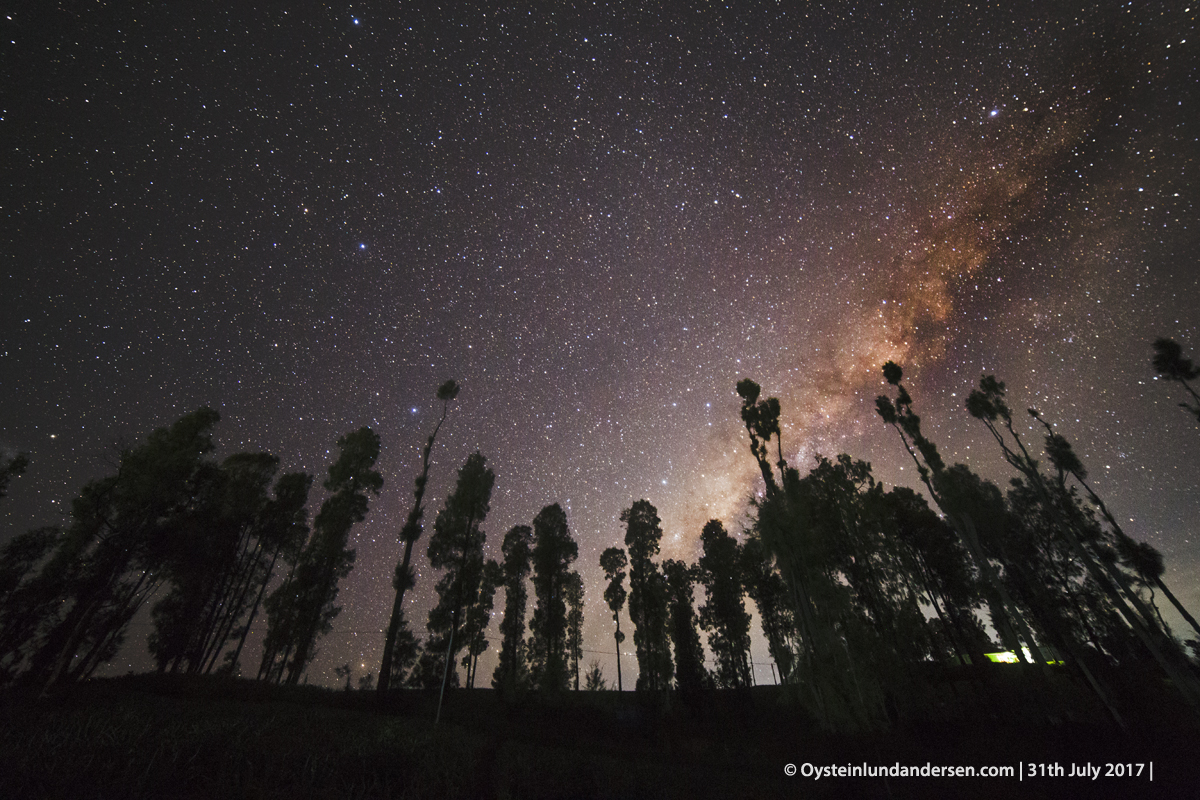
x: 597, y: 218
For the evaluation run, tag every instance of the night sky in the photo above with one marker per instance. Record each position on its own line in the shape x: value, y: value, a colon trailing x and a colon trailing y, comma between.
x: 597, y: 219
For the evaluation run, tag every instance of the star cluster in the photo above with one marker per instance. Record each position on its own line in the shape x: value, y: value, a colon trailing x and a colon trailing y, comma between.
x: 597, y: 219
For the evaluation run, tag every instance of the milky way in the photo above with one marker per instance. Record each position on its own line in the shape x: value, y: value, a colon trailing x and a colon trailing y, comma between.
x: 598, y: 221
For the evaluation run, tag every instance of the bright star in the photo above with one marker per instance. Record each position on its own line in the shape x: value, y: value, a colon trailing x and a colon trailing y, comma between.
x: 995, y: 111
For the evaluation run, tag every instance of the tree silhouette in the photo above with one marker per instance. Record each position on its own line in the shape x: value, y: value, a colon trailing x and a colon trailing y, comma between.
x: 724, y: 612
x: 510, y: 668
x: 690, y: 675
x: 553, y: 552
x: 479, y: 616
x: 574, y: 597
x: 766, y: 587
x: 933, y: 473
x: 613, y: 561
x: 214, y: 562
x: 302, y: 609
x: 110, y: 560
x: 25, y: 595
x: 593, y: 679
x: 1170, y: 363
x: 647, y: 597
x: 457, y: 547
x: 1148, y: 564
x: 403, y: 579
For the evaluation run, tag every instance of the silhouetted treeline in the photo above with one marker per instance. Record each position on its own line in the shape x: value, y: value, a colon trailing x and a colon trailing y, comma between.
x: 860, y: 590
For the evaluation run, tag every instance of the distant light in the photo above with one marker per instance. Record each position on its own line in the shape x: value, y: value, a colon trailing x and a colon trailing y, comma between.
x: 995, y: 111
x: 414, y: 411
x: 354, y: 20
x: 362, y: 246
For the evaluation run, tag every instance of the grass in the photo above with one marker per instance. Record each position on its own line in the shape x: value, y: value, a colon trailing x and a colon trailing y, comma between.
x: 173, y: 737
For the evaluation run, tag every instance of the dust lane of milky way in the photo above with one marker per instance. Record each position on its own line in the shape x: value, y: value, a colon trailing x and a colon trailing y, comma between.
x: 598, y: 220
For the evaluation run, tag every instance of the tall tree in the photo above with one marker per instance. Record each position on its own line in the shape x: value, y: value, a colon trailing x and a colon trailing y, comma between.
x: 1170, y: 363
x: 723, y: 614
x: 766, y: 587
x: 111, y: 558
x: 282, y: 537
x: 613, y: 561
x: 457, y: 547
x: 25, y: 595
x: 690, y: 675
x: 574, y: 597
x: 403, y: 579
x: 553, y: 553
x: 934, y: 474
x: 517, y: 550
x: 302, y: 610
x: 479, y: 616
x: 214, y: 556
x: 647, y: 597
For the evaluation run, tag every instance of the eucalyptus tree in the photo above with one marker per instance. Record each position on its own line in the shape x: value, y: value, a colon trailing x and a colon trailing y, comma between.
x: 574, y: 597
x: 517, y: 550
x: 25, y: 595
x: 457, y: 547
x: 553, y: 553
x: 1170, y: 363
x: 614, y: 561
x: 690, y: 674
x: 213, y: 564
x: 647, y: 597
x: 767, y: 588
x: 111, y: 558
x: 478, y: 616
x: 403, y: 578
x: 959, y: 510
x: 723, y: 614
x: 302, y: 609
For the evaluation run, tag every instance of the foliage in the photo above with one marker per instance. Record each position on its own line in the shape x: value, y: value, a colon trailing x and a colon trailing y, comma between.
x: 553, y: 552
x: 302, y: 609
x: 510, y: 671
x: 647, y: 597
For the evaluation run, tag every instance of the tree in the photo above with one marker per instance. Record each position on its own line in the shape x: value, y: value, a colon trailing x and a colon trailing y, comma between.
x: 111, y: 558
x: 766, y: 587
x: 593, y: 679
x: 517, y: 549
x: 988, y: 405
x: 647, y: 597
x: 553, y: 552
x: 613, y: 561
x: 1148, y: 564
x: 723, y: 614
x: 302, y: 609
x: 214, y: 560
x: 457, y: 547
x: 690, y: 675
x: 403, y: 579
x: 25, y: 595
x: 478, y: 616
x: 933, y: 473
x: 574, y: 596
x: 1170, y: 363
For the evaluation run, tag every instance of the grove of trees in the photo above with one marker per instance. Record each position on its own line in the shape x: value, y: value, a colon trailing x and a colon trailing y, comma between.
x: 864, y: 594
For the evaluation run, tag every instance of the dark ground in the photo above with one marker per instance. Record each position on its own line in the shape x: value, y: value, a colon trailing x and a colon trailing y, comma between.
x: 175, y: 737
